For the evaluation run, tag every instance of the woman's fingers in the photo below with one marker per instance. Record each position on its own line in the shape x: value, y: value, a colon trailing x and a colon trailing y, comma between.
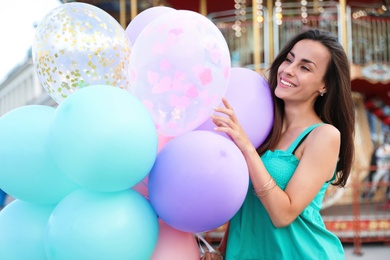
x: 226, y: 103
x: 229, y: 124
x: 222, y: 121
x: 212, y: 256
x: 227, y: 110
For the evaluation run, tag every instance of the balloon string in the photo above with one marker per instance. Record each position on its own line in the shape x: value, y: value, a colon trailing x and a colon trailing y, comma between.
x: 209, y: 247
x: 200, y: 247
x: 146, y: 185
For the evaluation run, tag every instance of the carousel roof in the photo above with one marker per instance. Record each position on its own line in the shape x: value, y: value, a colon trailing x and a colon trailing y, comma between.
x: 372, y: 80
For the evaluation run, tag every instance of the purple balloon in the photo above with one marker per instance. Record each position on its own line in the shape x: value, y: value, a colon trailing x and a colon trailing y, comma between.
x: 250, y: 96
x: 144, y: 18
x: 198, y: 182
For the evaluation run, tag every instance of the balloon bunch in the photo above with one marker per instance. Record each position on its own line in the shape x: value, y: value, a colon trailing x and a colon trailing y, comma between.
x: 128, y: 165
x: 70, y: 170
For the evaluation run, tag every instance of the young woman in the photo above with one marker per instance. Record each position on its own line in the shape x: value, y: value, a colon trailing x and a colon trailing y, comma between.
x: 309, y: 148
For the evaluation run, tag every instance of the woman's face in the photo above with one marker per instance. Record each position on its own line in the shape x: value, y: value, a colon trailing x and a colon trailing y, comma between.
x: 301, y: 74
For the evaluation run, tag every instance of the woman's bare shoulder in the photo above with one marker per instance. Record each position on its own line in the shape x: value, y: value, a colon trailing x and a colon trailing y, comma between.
x: 326, y: 134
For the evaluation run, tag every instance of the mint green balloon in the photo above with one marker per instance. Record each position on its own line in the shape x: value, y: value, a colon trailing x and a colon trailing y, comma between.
x: 102, y: 225
x: 22, y: 230
x: 103, y: 138
x: 27, y: 168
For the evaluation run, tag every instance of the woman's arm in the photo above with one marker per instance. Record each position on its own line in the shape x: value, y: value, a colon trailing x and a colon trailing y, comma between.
x: 318, y: 158
x: 316, y: 166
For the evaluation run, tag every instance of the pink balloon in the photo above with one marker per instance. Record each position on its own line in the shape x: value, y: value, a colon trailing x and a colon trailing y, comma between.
x: 142, y: 187
x: 173, y: 244
x: 162, y: 141
x: 250, y: 96
x: 139, y: 22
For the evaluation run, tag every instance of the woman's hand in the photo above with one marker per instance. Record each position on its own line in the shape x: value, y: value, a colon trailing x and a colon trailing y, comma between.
x: 231, y: 127
x: 212, y: 256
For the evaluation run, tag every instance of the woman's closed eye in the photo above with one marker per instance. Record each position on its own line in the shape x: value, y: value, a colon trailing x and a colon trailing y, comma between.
x: 305, y: 68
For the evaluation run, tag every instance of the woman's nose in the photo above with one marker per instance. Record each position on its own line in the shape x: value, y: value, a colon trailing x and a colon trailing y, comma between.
x: 289, y: 69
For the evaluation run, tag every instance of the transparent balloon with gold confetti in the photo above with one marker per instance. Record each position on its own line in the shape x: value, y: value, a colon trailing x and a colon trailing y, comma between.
x: 77, y: 45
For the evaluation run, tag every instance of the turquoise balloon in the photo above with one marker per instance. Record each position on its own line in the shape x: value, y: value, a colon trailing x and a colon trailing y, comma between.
x: 27, y: 168
x: 103, y: 138
x: 22, y: 230
x: 102, y: 225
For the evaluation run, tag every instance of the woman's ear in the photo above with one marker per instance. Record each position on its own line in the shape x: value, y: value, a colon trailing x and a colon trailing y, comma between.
x: 322, y: 91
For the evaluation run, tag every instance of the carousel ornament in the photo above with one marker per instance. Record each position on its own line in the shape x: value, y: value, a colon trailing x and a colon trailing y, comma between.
x: 278, y: 12
x: 260, y: 12
x: 379, y: 108
x: 304, y: 11
x: 240, y: 12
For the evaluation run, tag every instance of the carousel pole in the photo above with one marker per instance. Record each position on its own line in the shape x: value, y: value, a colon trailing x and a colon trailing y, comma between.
x: 343, y: 23
x: 256, y: 37
x: 203, y: 7
x: 270, y: 29
x: 122, y: 13
x: 133, y: 8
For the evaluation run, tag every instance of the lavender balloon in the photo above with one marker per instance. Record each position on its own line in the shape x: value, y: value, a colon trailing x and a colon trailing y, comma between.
x: 198, y: 182
x: 250, y: 96
x: 179, y: 69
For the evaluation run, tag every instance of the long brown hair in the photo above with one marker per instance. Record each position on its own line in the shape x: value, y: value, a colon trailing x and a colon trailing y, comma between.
x: 335, y: 108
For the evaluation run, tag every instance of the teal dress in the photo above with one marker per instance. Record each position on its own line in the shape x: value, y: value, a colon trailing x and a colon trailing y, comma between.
x: 253, y: 236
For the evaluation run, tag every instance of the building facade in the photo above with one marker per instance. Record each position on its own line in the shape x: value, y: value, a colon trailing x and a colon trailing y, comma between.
x: 22, y: 87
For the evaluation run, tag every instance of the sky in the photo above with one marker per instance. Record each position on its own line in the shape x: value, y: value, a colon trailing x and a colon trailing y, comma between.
x: 17, y: 20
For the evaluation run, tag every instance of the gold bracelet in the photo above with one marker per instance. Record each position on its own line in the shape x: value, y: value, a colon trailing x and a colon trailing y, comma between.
x: 266, y: 192
x: 266, y: 189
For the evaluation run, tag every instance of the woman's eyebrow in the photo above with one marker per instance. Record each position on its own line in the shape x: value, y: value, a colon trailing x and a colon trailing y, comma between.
x: 304, y: 60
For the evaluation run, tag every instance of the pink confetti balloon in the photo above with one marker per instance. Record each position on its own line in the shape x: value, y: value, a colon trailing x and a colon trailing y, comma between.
x: 179, y: 69
x: 139, y: 22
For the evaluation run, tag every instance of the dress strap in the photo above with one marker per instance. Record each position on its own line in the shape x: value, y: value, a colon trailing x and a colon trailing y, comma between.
x: 300, y: 138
